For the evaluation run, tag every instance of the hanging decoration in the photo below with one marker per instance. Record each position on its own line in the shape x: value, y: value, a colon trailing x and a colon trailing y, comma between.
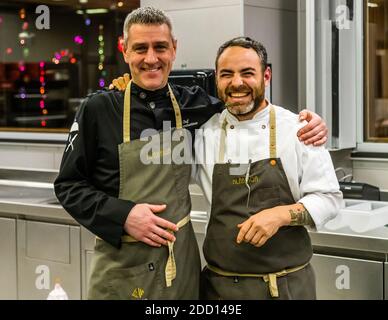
x: 22, y: 35
x: 120, y: 44
x: 101, y: 54
x: 25, y: 35
x: 78, y: 39
x: 64, y: 55
x: 88, y: 21
x: 22, y: 89
x: 22, y: 13
x: 42, y: 92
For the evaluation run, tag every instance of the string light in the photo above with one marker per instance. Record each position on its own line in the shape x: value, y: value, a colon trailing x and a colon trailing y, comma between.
x: 22, y: 67
x: 120, y: 43
x: 78, y: 39
x: 24, y: 35
x: 101, y: 45
x: 63, y: 54
x: 22, y: 13
x: 42, y: 92
x: 22, y: 90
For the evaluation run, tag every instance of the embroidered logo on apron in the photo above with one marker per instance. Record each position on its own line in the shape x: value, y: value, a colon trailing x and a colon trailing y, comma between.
x: 138, y: 293
x: 242, y: 180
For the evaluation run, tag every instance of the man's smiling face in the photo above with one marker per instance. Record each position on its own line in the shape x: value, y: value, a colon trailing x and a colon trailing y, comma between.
x: 241, y: 81
x: 150, y: 53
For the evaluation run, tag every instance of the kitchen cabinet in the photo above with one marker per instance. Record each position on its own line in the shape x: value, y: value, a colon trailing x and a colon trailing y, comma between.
x: 8, y: 276
x: 48, y: 253
x: 341, y: 278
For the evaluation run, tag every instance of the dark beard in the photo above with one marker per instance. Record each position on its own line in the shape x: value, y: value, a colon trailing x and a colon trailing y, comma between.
x: 259, y: 93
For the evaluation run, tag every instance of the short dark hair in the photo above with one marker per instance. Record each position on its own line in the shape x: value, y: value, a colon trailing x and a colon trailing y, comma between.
x: 147, y: 16
x: 247, y: 43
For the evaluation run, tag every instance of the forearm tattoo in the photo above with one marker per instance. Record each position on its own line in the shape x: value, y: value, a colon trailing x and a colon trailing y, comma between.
x: 301, y: 217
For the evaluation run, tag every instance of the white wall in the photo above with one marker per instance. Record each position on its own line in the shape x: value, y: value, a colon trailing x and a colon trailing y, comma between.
x: 374, y: 172
x: 201, y: 27
x: 274, y: 23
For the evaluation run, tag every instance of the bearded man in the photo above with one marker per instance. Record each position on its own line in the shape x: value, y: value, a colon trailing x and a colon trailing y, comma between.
x: 257, y: 245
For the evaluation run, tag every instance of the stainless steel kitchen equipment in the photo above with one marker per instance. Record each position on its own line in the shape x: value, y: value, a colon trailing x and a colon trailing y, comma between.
x: 40, y: 242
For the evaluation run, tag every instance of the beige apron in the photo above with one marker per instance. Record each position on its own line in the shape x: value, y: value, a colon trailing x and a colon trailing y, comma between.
x: 280, y: 268
x: 136, y: 270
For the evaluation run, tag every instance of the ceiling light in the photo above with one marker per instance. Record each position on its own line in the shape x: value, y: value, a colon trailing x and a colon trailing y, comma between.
x: 92, y: 11
x: 83, y: 1
x: 372, y: 5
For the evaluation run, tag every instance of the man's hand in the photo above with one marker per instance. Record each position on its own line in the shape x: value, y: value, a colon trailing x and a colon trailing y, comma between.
x: 143, y: 225
x: 315, y: 132
x: 263, y: 226
x: 120, y: 83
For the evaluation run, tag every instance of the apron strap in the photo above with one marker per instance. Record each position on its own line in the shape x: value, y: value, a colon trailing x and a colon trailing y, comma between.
x: 272, y: 133
x: 127, y: 112
x: 272, y: 137
x: 270, y: 278
x: 170, y: 270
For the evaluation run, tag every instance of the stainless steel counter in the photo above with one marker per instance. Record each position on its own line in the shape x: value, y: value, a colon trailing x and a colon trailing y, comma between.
x: 371, y: 241
x: 32, y: 216
x: 35, y: 202
x: 32, y: 202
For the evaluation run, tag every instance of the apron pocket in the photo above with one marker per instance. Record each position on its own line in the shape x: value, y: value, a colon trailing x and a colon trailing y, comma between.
x: 141, y: 282
x: 265, y: 198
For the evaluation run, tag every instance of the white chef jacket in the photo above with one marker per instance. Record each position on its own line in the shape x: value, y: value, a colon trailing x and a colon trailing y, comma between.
x: 309, y: 169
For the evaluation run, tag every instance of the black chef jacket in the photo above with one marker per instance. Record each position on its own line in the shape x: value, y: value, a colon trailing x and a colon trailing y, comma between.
x: 88, y: 182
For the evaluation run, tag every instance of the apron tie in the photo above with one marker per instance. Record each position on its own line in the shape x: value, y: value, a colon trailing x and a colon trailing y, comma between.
x: 170, y: 270
x: 270, y: 278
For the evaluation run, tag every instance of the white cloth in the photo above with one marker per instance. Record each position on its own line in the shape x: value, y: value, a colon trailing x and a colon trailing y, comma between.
x: 309, y: 170
x: 58, y: 293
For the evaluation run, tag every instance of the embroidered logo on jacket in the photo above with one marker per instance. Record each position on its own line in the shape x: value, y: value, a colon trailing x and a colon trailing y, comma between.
x: 72, y: 136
